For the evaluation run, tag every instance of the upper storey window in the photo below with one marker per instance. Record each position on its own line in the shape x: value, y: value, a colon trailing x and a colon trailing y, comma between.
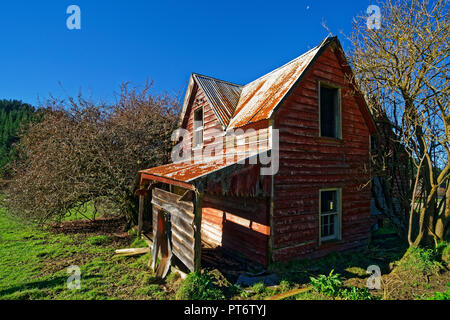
x: 198, y: 127
x: 330, y: 111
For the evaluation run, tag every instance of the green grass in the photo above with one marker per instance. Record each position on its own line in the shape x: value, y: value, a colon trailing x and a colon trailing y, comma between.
x: 199, y: 286
x: 34, y: 262
x: 33, y: 265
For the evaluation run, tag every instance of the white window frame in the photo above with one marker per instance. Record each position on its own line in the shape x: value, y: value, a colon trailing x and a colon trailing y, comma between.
x: 338, y: 222
x: 339, y: 111
x: 198, y: 144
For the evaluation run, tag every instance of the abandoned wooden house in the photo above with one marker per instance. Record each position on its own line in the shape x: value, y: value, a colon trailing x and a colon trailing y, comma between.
x: 273, y: 170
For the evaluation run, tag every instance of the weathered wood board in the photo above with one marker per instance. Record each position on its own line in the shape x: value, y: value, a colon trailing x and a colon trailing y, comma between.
x: 181, y: 224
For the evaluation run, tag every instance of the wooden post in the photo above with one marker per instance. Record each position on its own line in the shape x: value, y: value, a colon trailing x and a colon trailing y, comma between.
x: 197, y: 230
x: 141, y: 211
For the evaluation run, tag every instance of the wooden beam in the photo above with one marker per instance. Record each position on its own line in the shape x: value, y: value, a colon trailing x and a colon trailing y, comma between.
x: 131, y: 251
x: 146, y: 176
x: 197, y: 230
x: 291, y: 293
x: 141, y: 211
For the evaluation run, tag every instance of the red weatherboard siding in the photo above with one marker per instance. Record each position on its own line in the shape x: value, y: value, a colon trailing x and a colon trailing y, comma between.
x: 210, y: 123
x: 237, y: 224
x: 212, y: 127
x: 309, y: 163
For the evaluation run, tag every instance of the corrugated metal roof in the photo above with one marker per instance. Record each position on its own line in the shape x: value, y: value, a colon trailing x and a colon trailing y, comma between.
x: 237, y: 106
x: 260, y: 97
x: 189, y: 170
x: 222, y: 95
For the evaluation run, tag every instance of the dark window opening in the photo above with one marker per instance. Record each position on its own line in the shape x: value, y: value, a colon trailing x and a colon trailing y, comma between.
x: 329, y: 112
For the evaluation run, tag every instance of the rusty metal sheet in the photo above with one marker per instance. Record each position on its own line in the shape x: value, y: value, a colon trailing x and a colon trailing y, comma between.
x: 189, y: 170
x: 237, y: 106
x: 260, y: 97
x: 222, y: 95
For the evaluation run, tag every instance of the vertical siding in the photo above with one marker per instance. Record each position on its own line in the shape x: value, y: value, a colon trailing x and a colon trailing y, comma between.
x: 309, y: 163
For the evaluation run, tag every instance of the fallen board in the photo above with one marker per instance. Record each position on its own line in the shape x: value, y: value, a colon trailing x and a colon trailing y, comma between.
x: 131, y: 251
x: 288, y: 294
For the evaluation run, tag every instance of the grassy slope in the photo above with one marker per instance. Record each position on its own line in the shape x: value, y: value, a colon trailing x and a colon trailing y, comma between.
x: 33, y: 265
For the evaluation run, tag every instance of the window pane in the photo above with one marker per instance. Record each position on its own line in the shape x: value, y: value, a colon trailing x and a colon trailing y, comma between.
x: 198, y: 127
x: 328, y: 112
x: 198, y: 117
x: 331, y: 225
x: 328, y: 201
x: 329, y: 214
x: 198, y: 137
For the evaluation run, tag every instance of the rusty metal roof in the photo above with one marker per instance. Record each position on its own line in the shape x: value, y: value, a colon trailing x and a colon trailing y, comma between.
x: 223, y: 96
x: 237, y: 106
x: 190, y: 170
x: 260, y: 97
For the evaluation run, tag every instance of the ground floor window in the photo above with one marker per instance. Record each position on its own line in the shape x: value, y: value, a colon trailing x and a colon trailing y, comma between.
x: 330, y: 214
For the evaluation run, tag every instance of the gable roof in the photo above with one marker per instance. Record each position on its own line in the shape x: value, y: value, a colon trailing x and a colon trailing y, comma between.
x: 237, y: 106
x: 260, y: 97
x: 222, y: 96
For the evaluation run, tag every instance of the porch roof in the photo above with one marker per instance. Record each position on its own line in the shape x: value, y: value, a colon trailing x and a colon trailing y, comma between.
x: 183, y: 173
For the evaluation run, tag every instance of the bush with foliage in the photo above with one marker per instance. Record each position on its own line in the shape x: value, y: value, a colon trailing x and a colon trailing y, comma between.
x: 82, y: 152
x: 421, y: 260
x: 332, y: 286
x: 328, y: 285
x: 441, y: 295
x: 198, y: 286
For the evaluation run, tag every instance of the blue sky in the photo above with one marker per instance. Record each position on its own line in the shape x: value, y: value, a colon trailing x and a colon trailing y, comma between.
x: 166, y: 41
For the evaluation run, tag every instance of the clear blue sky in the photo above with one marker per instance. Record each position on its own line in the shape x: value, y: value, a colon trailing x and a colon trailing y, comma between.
x: 119, y: 41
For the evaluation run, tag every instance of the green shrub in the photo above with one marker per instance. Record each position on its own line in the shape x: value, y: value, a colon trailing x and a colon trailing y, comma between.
x: 421, y: 260
x: 443, y: 249
x: 198, y: 286
x: 259, y: 288
x: 441, y: 295
x: 354, y: 293
x: 328, y: 285
x: 332, y: 286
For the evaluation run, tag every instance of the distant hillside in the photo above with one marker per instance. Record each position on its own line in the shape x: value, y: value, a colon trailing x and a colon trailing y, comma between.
x: 13, y: 114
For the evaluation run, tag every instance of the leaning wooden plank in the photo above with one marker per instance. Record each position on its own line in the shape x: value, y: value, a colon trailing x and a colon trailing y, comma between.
x: 197, y: 230
x: 290, y: 293
x: 131, y: 251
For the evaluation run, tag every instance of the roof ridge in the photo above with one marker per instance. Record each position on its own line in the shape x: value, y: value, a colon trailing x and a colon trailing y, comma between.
x: 215, y: 79
x: 287, y: 63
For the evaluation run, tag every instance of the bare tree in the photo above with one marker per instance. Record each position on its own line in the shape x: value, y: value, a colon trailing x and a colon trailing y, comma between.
x: 82, y: 152
x: 403, y: 69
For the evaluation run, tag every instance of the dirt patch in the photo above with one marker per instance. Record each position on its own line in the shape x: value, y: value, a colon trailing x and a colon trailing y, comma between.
x: 57, y: 264
x: 82, y: 229
x: 104, y: 226
x: 406, y: 285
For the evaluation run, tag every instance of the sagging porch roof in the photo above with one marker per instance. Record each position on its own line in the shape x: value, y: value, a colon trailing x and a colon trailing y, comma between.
x: 184, y: 173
